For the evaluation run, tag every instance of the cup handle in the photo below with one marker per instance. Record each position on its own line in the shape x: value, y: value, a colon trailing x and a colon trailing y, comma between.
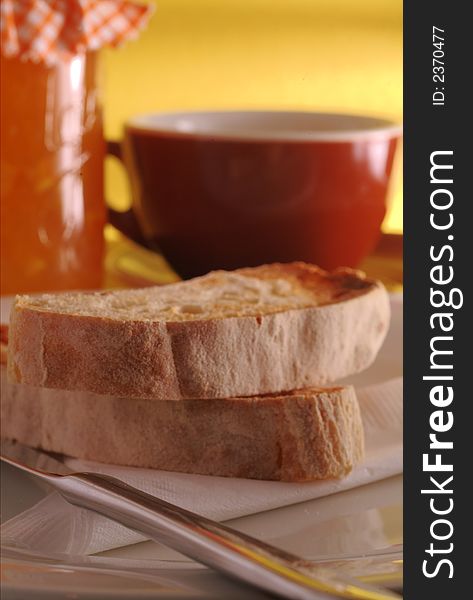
x: 124, y: 221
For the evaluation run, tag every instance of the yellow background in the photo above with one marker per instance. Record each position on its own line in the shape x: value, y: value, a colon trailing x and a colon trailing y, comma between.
x: 334, y: 55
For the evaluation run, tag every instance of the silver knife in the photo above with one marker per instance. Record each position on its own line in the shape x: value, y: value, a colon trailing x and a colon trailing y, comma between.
x: 235, y: 554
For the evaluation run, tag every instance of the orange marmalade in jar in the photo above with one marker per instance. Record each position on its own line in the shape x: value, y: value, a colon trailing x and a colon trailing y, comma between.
x: 52, y: 151
x: 52, y: 148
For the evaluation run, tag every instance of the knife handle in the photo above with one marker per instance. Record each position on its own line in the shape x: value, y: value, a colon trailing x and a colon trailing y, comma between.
x: 236, y: 554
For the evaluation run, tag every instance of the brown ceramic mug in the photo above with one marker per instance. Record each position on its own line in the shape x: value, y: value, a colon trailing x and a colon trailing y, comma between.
x: 231, y: 189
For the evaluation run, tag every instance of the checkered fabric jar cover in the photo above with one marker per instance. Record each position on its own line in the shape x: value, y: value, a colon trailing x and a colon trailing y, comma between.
x: 47, y: 30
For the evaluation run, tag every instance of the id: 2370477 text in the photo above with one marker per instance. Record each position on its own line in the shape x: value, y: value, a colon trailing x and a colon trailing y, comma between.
x: 438, y: 66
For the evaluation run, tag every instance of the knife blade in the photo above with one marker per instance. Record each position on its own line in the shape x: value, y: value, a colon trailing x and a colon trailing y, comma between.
x: 233, y: 553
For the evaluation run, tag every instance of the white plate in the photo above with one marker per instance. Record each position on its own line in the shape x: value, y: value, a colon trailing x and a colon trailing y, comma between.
x: 365, y: 522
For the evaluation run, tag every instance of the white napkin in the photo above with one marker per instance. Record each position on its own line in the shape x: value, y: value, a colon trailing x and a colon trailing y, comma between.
x: 54, y: 526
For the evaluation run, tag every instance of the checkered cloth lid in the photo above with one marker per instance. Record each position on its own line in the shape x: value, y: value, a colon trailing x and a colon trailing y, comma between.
x: 47, y: 30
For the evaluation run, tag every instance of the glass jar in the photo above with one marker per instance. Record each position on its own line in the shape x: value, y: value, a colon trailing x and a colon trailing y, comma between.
x: 52, y: 153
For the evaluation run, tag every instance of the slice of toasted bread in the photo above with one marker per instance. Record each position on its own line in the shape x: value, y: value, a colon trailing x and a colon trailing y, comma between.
x: 247, y: 332
x: 302, y: 436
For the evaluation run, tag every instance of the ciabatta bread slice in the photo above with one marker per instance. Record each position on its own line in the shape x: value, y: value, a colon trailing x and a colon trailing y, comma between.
x: 246, y: 332
x: 302, y: 436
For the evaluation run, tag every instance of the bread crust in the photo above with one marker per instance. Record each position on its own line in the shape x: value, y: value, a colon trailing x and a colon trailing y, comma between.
x: 303, y: 436
x: 213, y: 358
